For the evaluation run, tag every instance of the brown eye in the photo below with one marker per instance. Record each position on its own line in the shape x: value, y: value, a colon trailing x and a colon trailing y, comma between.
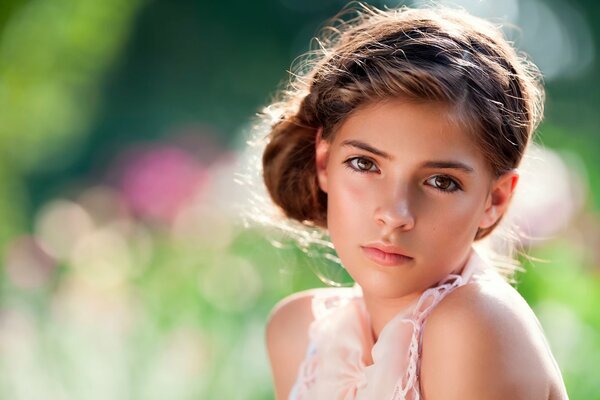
x: 444, y: 183
x: 360, y: 164
x: 363, y: 164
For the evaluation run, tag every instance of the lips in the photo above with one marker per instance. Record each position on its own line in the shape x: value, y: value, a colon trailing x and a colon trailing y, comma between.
x: 385, y: 255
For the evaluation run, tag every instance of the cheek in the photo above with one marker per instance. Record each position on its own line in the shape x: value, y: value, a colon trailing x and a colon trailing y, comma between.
x: 456, y: 219
x: 348, y: 203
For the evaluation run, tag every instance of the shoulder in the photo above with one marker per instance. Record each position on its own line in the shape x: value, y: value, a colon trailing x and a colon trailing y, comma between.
x: 295, y: 311
x: 287, y: 337
x: 482, y: 341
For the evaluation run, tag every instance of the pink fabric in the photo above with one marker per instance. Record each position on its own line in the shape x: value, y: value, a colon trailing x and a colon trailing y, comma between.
x: 340, y: 335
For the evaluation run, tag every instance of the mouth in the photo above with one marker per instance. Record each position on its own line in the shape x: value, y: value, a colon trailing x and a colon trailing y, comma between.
x: 384, y: 258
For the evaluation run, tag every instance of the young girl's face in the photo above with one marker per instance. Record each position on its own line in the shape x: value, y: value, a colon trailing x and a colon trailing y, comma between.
x: 403, y: 175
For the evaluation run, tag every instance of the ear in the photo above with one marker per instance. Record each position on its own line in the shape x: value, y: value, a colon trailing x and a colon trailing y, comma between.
x: 498, y: 199
x: 321, y: 155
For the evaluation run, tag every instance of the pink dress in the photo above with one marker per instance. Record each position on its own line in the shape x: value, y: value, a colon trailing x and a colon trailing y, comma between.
x: 334, y: 367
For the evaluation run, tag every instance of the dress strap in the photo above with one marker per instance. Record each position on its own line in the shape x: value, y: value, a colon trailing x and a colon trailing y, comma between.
x: 407, y: 387
x: 476, y: 268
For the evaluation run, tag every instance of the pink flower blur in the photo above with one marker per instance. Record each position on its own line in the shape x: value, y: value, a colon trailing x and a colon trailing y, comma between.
x: 156, y: 181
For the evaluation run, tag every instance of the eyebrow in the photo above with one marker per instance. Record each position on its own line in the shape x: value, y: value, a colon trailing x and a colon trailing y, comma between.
x: 427, y: 164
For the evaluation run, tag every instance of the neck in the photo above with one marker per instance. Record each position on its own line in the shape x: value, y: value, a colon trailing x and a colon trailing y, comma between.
x: 382, y: 310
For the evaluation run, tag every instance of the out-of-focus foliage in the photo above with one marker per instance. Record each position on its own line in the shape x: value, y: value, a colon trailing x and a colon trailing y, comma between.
x: 52, y: 58
x: 53, y: 55
x: 126, y: 273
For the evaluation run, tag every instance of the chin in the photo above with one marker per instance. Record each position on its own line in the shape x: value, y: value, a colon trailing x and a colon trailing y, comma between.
x: 385, y: 289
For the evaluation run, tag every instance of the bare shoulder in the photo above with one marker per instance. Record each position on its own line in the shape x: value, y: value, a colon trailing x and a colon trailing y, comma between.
x: 287, y: 338
x: 484, y: 341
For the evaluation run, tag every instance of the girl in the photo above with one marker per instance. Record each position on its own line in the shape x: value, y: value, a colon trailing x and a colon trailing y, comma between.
x: 401, y: 141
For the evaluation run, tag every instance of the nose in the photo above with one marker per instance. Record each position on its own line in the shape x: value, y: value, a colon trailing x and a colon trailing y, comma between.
x: 395, y: 212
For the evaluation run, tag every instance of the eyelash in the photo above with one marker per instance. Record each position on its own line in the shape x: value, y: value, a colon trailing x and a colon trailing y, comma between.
x: 348, y: 164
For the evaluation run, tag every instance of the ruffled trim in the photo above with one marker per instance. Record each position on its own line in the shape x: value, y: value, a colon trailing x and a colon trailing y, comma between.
x: 332, y: 308
x: 323, y: 305
x: 307, y: 373
x: 326, y: 302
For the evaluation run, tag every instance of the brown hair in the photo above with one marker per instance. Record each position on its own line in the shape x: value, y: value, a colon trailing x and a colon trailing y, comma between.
x: 431, y: 54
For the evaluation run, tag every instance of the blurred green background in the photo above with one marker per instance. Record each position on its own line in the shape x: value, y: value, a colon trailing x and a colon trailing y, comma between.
x: 126, y: 273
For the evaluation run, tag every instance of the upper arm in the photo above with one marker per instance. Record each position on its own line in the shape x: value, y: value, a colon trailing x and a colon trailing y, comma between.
x: 474, y: 348
x: 287, y: 339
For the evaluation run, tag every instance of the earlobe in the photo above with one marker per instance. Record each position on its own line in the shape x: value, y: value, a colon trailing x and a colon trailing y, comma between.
x: 499, y: 198
x: 321, y: 156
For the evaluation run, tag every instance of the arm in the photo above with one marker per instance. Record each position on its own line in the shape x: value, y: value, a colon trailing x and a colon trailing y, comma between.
x: 475, y: 348
x: 287, y: 340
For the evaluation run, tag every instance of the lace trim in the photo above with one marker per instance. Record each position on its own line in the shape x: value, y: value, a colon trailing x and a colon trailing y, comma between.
x: 409, y: 382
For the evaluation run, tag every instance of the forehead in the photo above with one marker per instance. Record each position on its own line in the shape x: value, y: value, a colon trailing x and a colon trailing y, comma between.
x: 409, y: 129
